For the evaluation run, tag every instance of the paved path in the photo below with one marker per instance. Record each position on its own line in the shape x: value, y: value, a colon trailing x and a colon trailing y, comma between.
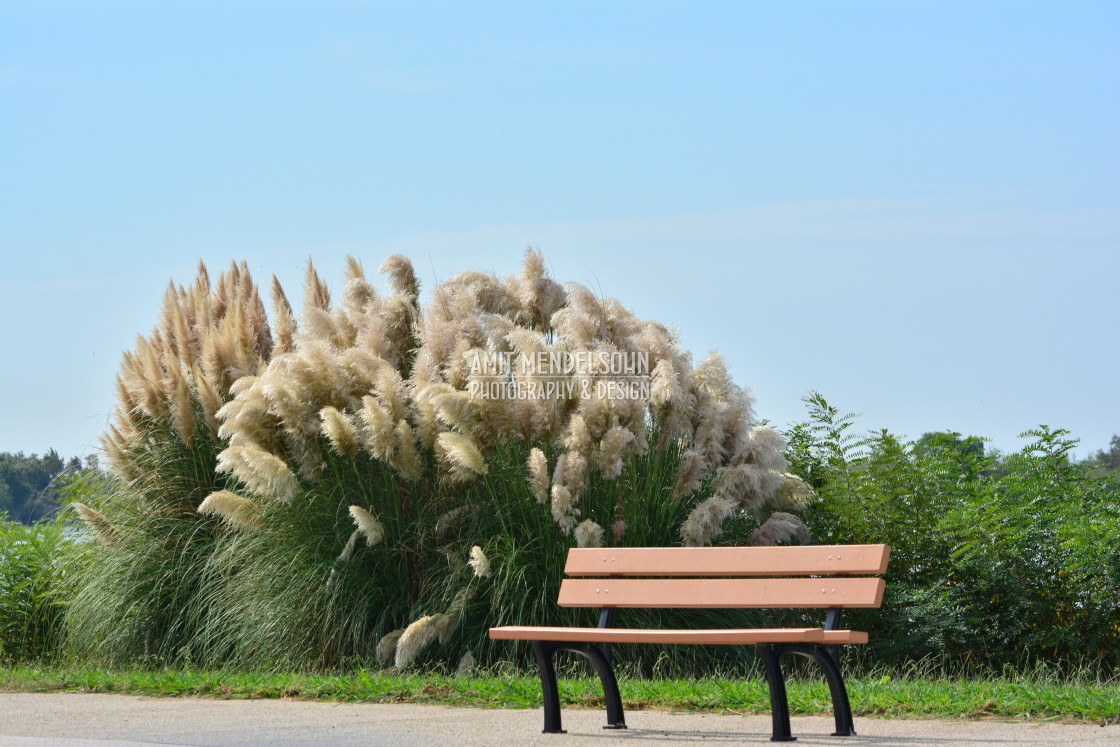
x: 88, y: 720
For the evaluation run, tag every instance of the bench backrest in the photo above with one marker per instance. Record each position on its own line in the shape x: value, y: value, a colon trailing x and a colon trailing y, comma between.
x: 732, y: 577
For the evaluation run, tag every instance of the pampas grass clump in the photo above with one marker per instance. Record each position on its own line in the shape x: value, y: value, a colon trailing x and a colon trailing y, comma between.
x: 471, y: 442
x: 137, y: 591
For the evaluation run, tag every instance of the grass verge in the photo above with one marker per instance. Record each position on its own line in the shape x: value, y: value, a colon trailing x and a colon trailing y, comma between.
x: 1026, y: 698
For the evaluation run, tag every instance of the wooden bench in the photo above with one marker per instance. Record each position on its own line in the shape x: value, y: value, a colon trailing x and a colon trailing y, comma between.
x: 712, y: 577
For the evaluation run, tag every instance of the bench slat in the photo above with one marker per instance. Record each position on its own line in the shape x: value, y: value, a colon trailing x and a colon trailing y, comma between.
x: 656, y: 635
x: 801, y: 560
x: 721, y: 592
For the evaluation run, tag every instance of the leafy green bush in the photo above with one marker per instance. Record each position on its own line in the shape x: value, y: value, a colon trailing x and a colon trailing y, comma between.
x: 33, y: 588
x: 1010, y: 561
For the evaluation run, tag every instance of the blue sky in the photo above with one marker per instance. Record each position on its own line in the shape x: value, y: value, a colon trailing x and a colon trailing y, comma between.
x: 911, y: 207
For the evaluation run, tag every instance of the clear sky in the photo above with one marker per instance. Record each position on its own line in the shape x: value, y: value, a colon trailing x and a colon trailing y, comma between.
x: 911, y: 207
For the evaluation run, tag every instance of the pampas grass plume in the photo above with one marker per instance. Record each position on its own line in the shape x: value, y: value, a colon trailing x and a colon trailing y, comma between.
x: 461, y: 456
x: 538, y: 474
x: 408, y: 458
x: 401, y: 275
x: 703, y: 524
x: 96, y: 521
x: 370, y: 527
x: 589, y: 534
x: 231, y: 508
x: 479, y: 563
x: 416, y: 637
x: 264, y: 474
x: 340, y: 430
x: 780, y: 527
x: 387, y: 647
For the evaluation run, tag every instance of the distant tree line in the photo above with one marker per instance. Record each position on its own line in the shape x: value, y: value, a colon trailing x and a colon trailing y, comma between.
x: 1109, y: 459
x: 29, y: 485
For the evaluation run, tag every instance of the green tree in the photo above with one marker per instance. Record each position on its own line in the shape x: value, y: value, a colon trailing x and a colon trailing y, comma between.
x: 29, y: 485
x: 1108, y: 459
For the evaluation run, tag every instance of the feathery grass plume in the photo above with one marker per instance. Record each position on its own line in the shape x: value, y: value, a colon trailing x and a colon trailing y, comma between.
x: 284, y: 319
x: 579, y: 437
x: 574, y: 327
x: 576, y: 473
x: 705, y: 521
x: 424, y: 395
x: 347, y: 550
x: 94, y: 519
x: 665, y: 387
x: 430, y: 628
x: 588, y: 534
x: 538, y: 474
x: 473, y: 417
x: 343, y: 558
x: 539, y: 295
x: 387, y: 647
x: 182, y: 406
x: 378, y: 433
x: 564, y: 512
x: 741, y: 484
x: 401, y: 275
x: 384, y: 328
x: 479, y: 563
x: 794, y: 495
x: 231, y: 508
x: 340, y: 430
x: 358, y: 292
x: 317, y: 294
x: 724, y: 410
x: 370, y: 527
x: 581, y: 298
x: 208, y: 397
x: 764, y: 446
x: 407, y: 461
x: 780, y: 527
x: 418, y: 636
x: 612, y: 450
x: 460, y: 457
x: 264, y: 474
x: 496, y: 328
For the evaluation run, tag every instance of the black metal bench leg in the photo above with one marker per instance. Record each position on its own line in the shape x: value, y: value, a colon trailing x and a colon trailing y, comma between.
x: 779, y: 701
x: 841, y: 706
x: 601, y: 663
x: 545, y: 653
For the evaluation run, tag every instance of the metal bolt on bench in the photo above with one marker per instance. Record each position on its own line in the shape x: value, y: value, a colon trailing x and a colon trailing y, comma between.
x: 824, y: 576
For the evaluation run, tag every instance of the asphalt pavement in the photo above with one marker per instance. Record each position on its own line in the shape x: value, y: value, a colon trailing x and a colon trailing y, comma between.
x: 95, y: 720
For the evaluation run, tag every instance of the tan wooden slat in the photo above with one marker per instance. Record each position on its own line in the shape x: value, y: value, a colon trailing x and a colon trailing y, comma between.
x: 640, y: 635
x: 844, y: 636
x: 721, y: 592
x: 802, y: 560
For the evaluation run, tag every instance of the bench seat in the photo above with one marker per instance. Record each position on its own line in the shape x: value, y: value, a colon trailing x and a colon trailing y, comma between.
x: 745, y: 636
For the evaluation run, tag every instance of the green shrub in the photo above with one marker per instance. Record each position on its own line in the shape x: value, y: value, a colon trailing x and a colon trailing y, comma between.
x: 995, y: 562
x: 33, y: 588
